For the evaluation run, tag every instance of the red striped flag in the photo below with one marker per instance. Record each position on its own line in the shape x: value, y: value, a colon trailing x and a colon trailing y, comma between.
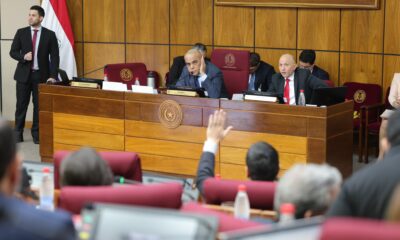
x: 57, y: 19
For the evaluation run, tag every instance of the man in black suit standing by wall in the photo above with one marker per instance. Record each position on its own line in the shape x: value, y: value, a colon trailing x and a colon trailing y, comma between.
x: 36, y: 50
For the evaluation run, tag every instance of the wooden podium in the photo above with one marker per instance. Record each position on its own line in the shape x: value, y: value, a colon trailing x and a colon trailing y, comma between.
x: 124, y: 121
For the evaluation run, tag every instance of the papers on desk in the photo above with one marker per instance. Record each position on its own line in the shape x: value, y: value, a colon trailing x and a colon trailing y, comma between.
x: 144, y: 89
x: 237, y: 96
x: 114, y: 86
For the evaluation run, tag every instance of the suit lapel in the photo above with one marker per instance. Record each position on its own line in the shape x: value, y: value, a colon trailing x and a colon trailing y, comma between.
x: 296, y: 85
x: 281, y: 84
x: 27, y: 37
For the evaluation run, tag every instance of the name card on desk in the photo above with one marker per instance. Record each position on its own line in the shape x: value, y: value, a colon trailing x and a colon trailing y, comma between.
x: 114, y: 86
x: 144, y: 89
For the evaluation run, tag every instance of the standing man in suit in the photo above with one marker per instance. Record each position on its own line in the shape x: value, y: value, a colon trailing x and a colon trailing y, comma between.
x: 290, y: 80
x: 260, y: 73
x: 199, y: 73
x: 18, y: 219
x: 179, y: 63
x: 36, y: 50
x: 307, y: 61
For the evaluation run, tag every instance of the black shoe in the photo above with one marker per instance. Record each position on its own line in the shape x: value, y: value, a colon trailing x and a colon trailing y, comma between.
x: 36, y: 140
x: 19, y: 138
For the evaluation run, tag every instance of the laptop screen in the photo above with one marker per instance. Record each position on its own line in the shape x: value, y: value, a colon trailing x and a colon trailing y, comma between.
x: 328, y: 96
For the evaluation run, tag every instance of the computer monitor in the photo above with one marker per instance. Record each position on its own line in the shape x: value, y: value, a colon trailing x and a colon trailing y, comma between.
x: 109, y: 221
x: 62, y: 77
x: 328, y: 96
x: 305, y: 229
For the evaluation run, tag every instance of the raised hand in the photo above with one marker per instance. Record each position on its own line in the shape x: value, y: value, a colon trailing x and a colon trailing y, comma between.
x: 216, y: 123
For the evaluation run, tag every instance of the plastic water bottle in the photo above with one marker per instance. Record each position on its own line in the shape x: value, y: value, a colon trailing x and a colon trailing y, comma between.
x: 105, y: 77
x: 302, y: 98
x: 46, y: 191
x: 242, y: 205
x: 137, y: 83
x: 287, y: 211
x: 151, y: 79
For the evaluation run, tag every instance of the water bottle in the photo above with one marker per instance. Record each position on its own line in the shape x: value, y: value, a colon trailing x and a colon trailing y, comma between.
x: 242, y: 205
x: 302, y: 99
x: 287, y: 211
x: 151, y: 79
x: 105, y: 77
x: 137, y: 83
x: 46, y: 191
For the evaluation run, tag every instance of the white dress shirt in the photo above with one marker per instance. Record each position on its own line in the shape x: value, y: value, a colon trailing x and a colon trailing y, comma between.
x: 35, y: 59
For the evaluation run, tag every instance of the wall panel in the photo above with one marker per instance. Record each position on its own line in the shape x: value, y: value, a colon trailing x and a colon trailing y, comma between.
x: 76, y: 18
x: 147, y: 21
x: 363, y: 68
x: 392, y: 30
x: 391, y: 65
x: 191, y: 21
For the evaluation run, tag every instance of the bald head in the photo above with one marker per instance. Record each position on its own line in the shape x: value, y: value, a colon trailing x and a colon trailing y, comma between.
x: 287, y: 65
x: 193, y: 61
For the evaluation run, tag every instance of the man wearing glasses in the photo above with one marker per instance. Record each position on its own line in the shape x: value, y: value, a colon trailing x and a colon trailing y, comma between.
x: 307, y: 61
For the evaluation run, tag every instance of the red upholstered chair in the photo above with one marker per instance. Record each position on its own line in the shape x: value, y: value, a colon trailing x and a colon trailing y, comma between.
x: 373, y: 124
x: 330, y: 83
x: 124, y: 164
x: 166, y: 195
x: 226, y: 221
x: 363, y: 95
x: 234, y: 65
x: 126, y: 73
x: 261, y: 194
x: 353, y: 228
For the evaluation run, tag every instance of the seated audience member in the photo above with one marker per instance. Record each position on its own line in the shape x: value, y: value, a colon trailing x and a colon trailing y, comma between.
x: 394, y: 100
x: 307, y: 61
x: 311, y: 188
x: 18, y: 219
x: 199, y: 73
x: 260, y: 73
x: 179, y: 63
x: 85, y: 168
x: 262, y: 159
x: 367, y: 192
x: 290, y: 80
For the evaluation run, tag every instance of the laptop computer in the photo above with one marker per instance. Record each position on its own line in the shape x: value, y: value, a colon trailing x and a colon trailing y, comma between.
x: 328, y: 96
x: 62, y: 78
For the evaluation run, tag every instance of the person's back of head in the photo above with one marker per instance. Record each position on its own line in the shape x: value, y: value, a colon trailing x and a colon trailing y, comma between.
x: 254, y: 59
x: 307, y: 56
x: 85, y: 167
x: 9, y: 164
x: 311, y: 188
x: 262, y: 162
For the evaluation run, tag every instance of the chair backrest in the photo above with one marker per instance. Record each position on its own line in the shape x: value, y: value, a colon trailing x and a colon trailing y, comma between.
x: 226, y: 221
x: 124, y: 164
x: 234, y: 65
x: 166, y: 195
x: 260, y: 193
x: 126, y: 73
x: 353, y: 228
x: 363, y: 93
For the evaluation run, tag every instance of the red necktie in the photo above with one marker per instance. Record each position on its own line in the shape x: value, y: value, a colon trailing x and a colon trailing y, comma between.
x: 286, y: 91
x: 35, y: 31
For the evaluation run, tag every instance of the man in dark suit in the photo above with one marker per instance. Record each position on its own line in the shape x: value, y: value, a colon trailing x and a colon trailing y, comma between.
x: 179, y: 63
x: 32, y: 46
x: 291, y: 80
x: 307, y: 61
x: 260, y: 73
x: 18, y: 219
x: 199, y: 73
x: 367, y: 192
x: 262, y: 159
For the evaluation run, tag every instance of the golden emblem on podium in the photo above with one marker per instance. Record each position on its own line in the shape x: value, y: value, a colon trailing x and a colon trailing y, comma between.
x: 359, y: 96
x: 126, y: 74
x: 170, y: 114
x: 230, y: 60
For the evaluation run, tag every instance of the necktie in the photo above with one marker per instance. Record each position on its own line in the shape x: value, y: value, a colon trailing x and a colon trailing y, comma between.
x: 34, y: 38
x: 286, y: 91
x: 251, y: 82
x: 196, y: 81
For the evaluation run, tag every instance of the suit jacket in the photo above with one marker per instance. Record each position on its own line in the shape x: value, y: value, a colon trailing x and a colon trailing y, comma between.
x: 48, y: 46
x: 213, y: 84
x: 320, y: 73
x: 263, y: 76
x: 176, y: 70
x: 368, y: 191
x: 303, y: 79
x: 205, y: 169
x: 23, y: 221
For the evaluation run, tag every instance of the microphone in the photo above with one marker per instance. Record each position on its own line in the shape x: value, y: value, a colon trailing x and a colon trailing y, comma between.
x: 122, y: 180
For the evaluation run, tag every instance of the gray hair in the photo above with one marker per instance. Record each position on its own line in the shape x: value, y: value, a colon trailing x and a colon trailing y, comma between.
x: 308, y: 187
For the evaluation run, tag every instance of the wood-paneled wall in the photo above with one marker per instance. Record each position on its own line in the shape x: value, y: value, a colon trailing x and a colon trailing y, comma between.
x: 352, y: 45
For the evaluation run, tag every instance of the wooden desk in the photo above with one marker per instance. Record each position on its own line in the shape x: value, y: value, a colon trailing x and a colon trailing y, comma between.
x: 117, y: 121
